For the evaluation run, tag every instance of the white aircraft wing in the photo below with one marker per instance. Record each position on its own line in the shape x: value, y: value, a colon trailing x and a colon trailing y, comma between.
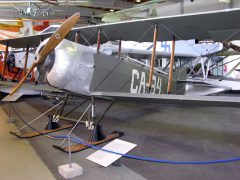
x: 216, y: 25
x: 146, y: 54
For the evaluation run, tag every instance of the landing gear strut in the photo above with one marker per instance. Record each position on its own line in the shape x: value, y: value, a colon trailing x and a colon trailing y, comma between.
x: 51, y: 124
x: 97, y: 136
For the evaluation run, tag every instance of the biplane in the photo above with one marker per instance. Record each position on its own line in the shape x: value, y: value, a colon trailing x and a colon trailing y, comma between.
x: 80, y: 69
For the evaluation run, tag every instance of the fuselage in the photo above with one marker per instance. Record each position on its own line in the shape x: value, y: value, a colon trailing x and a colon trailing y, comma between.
x: 80, y: 69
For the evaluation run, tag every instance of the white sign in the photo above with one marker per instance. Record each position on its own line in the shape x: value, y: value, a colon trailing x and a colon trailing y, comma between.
x: 106, y: 158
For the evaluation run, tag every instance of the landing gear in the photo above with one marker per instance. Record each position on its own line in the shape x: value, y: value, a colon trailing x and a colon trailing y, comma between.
x: 90, y: 121
x: 97, y: 136
x: 97, y: 133
x: 51, y: 124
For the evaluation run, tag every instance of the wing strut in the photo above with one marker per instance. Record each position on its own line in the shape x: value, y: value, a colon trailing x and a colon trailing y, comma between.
x: 5, y: 60
x: 153, y: 57
x: 77, y: 37
x: 171, y: 66
x: 119, y: 48
x: 26, y: 61
x: 230, y: 72
x: 98, y: 41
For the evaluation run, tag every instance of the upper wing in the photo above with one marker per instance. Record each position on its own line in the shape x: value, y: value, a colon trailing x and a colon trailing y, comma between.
x: 27, y: 41
x: 217, y: 101
x: 188, y: 26
x: 216, y: 25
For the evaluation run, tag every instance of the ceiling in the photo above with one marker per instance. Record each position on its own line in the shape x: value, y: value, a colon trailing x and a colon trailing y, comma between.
x: 37, y: 9
x: 48, y: 9
x: 40, y: 10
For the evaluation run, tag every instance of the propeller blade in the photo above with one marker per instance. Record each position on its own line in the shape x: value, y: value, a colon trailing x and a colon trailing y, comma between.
x: 234, y: 47
x: 22, y: 80
x: 54, y: 40
x: 57, y: 37
x: 231, y: 45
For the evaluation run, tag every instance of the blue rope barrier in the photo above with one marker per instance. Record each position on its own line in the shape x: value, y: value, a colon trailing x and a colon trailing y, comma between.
x: 229, y: 160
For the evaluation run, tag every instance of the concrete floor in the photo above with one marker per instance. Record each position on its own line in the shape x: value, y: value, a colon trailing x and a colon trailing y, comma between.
x: 171, y: 132
x: 18, y: 159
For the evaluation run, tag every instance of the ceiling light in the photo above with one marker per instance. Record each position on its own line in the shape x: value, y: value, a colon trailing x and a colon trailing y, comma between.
x: 224, y: 1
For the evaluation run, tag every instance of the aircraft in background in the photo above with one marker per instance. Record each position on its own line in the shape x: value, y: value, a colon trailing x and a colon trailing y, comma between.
x: 222, y: 67
x: 24, y: 27
x: 183, y: 49
x: 16, y: 67
x: 15, y: 60
x: 140, y: 11
x: 17, y: 63
x: 83, y: 70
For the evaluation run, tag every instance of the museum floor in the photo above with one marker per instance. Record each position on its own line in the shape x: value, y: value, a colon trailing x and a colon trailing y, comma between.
x: 161, y: 131
x: 18, y: 158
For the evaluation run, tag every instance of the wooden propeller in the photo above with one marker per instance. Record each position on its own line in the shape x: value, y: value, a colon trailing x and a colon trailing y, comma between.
x: 229, y: 44
x: 54, y: 40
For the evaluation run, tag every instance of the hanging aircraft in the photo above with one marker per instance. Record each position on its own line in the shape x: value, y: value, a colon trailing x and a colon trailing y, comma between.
x: 140, y: 11
x: 80, y: 69
x: 10, y: 28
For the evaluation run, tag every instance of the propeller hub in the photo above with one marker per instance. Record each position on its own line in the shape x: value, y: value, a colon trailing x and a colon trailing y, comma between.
x: 57, y: 36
